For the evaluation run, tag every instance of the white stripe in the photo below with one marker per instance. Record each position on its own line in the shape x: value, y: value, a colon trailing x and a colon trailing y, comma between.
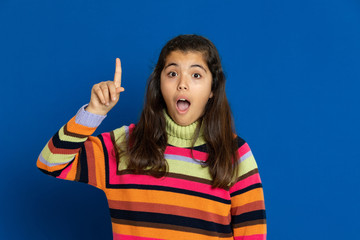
x: 245, y: 156
x: 182, y: 158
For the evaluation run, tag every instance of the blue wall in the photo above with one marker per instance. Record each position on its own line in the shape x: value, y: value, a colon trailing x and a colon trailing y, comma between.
x: 293, y: 84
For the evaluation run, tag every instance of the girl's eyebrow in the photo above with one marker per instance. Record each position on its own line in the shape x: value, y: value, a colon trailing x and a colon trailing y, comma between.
x: 171, y: 64
x: 194, y: 65
x: 197, y: 65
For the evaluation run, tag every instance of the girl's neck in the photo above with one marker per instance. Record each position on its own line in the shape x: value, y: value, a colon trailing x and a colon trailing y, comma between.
x: 182, y: 136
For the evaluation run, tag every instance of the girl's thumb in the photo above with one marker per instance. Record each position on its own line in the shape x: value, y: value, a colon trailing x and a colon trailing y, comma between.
x: 120, y: 89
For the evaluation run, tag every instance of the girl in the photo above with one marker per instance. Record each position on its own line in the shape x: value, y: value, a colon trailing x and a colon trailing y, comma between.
x: 180, y: 172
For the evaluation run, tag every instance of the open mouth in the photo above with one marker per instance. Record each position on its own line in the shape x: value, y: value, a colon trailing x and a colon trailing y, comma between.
x: 183, y: 104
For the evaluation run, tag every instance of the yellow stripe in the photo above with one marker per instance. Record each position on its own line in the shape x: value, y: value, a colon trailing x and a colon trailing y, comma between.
x: 56, y: 158
x: 119, y: 135
x: 247, y: 165
x: 178, y: 166
x: 191, y: 169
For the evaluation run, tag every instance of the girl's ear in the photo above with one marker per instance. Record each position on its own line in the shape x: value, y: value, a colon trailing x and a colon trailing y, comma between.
x: 211, y: 95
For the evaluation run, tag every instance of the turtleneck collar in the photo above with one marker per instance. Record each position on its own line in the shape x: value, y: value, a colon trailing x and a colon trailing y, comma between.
x: 182, y: 136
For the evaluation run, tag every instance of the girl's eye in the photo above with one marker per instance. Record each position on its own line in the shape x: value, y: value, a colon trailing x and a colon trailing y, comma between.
x: 196, y: 75
x: 172, y: 74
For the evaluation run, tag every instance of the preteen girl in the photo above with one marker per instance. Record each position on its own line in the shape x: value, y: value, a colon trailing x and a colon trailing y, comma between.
x: 181, y: 172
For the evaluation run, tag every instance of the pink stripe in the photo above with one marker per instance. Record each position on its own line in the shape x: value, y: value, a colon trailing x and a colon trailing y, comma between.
x: 117, y: 179
x: 128, y: 237
x: 107, y: 141
x: 252, y: 237
x: 186, y: 153
x: 114, y: 178
x: 174, y: 182
x: 245, y: 183
x: 65, y: 172
x: 243, y: 150
x: 131, y: 128
x: 184, y: 184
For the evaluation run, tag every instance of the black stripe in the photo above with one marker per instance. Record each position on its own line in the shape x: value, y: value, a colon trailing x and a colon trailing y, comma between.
x: 84, y: 177
x: 170, y: 219
x: 65, y: 144
x: 251, y: 187
x: 171, y: 189
x: 240, y: 141
x: 201, y: 148
x: 54, y: 174
x: 249, y: 216
x: 106, y: 159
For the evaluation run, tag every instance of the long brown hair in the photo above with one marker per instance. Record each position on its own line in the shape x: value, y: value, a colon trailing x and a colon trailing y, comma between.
x: 148, y: 140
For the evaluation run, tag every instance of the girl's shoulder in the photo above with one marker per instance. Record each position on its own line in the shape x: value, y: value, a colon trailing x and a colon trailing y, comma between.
x: 240, y: 141
x: 122, y: 133
x: 117, y: 136
x: 243, y: 147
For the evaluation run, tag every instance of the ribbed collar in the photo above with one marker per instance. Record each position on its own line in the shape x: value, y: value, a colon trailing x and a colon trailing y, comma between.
x: 182, y: 136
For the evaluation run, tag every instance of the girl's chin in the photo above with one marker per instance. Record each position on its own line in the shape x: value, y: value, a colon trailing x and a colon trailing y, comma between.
x: 182, y: 121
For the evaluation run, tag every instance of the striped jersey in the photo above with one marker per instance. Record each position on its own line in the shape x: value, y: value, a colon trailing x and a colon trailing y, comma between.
x: 180, y: 205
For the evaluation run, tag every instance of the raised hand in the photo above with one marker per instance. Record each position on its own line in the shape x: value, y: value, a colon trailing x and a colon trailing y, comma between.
x: 105, y: 95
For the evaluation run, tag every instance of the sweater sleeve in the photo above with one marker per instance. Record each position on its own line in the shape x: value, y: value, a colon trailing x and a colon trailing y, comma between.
x: 247, y: 198
x: 73, y: 154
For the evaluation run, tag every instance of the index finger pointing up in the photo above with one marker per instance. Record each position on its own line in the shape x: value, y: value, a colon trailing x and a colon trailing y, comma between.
x: 117, y: 76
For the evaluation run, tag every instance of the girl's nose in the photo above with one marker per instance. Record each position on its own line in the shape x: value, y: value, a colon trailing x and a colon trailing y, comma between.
x: 182, y: 87
x: 183, y: 84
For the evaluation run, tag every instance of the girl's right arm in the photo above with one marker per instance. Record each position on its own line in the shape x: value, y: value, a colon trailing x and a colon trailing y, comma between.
x: 72, y: 153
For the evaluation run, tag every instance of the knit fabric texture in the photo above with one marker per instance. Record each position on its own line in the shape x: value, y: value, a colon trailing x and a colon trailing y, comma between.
x: 181, y: 205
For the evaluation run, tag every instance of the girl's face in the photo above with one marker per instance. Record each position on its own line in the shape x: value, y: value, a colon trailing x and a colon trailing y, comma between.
x: 185, y: 85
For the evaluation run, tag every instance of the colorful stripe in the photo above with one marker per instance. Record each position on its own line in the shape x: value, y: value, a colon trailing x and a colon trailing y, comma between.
x: 181, y: 205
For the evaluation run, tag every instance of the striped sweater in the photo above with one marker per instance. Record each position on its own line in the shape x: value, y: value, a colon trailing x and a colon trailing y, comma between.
x: 181, y: 205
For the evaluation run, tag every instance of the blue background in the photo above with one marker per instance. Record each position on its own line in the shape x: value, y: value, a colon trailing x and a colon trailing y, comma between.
x: 293, y: 76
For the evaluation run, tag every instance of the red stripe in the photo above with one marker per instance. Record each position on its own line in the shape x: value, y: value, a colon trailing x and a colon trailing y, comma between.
x: 243, y: 150
x: 91, y: 163
x: 255, y: 178
x: 186, y: 153
x: 55, y: 150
